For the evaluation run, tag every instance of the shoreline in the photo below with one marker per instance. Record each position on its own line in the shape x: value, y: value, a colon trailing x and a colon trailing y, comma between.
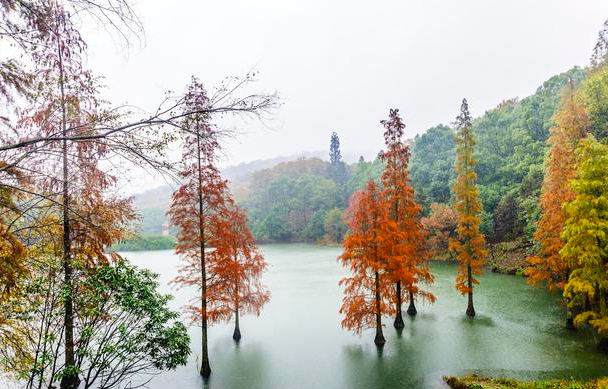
x: 478, y: 382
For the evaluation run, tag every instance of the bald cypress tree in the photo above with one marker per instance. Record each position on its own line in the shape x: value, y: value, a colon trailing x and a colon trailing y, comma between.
x: 469, y: 245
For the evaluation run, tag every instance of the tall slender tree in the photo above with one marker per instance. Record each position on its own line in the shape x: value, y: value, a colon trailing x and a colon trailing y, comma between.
x: 547, y: 267
x: 196, y: 209
x: 469, y: 246
x: 368, y: 292
x: 66, y: 175
x: 409, y: 257
x: 337, y: 167
x: 586, y: 238
x: 239, y: 266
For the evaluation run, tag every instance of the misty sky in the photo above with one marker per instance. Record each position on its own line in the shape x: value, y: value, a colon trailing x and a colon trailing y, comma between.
x: 340, y: 65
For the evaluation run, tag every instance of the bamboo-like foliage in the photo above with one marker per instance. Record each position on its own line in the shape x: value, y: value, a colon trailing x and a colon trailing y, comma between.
x: 469, y: 247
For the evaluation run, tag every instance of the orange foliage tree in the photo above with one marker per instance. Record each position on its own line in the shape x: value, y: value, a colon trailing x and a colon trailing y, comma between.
x: 441, y: 224
x: 469, y: 246
x: 70, y: 201
x: 409, y: 256
x: 238, y: 265
x: 547, y: 267
x: 368, y: 290
x: 196, y: 209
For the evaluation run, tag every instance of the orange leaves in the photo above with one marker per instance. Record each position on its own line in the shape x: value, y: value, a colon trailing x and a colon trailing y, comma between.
x: 441, y: 224
x: 387, y: 243
x: 470, y: 244
x: 367, y: 253
x: 219, y: 253
x: 560, y: 167
x: 409, y: 253
x: 238, y: 263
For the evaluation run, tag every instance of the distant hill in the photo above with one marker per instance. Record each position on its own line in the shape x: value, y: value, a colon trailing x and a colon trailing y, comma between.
x: 152, y: 205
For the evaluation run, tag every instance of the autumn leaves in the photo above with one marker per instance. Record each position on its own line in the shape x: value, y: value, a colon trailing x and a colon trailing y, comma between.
x: 573, y: 228
x: 386, y: 250
x: 220, y: 257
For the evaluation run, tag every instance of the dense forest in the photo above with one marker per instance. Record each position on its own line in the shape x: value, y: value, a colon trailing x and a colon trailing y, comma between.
x: 302, y: 200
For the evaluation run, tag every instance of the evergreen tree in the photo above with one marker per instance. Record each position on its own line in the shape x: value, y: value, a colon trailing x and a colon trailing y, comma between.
x: 337, y: 166
x: 586, y: 238
x: 469, y: 246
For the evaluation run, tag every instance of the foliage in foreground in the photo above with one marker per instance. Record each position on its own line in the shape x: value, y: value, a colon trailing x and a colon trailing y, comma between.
x: 123, y: 327
x: 476, y: 382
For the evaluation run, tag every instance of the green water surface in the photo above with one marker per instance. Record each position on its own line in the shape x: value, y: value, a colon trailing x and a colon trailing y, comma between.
x: 297, y: 342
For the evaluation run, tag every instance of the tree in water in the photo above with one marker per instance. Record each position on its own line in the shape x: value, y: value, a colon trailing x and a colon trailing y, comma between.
x: 586, y: 239
x: 409, y: 255
x: 547, y: 267
x: 196, y: 208
x: 239, y: 266
x: 368, y: 291
x: 469, y: 245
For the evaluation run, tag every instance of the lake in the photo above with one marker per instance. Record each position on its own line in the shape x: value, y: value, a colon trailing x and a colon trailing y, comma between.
x: 297, y: 341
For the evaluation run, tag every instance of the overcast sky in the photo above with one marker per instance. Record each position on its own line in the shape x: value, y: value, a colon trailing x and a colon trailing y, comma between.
x: 339, y: 65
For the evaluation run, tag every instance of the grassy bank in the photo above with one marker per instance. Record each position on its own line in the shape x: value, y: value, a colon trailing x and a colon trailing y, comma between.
x: 145, y: 242
x: 476, y: 382
x: 504, y: 257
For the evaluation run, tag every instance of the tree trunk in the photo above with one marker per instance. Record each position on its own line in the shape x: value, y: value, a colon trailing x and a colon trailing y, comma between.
x: 470, y: 308
x: 237, y: 330
x: 569, y: 318
x: 379, y: 340
x: 398, y: 324
x: 411, y: 310
x: 205, y: 367
x: 602, y: 345
x: 70, y: 378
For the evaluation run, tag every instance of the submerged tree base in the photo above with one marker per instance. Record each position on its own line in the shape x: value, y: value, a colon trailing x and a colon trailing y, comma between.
x: 399, y: 324
x: 205, y: 370
x: 379, y: 339
x: 411, y: 310
x: 477, y: 382
x: 570, y: 324
x: 602, y: 345
x: 237, y: 334
x: 470, y: 311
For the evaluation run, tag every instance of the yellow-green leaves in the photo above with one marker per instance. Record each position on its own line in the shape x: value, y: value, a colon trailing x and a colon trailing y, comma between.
x: 586, y: 236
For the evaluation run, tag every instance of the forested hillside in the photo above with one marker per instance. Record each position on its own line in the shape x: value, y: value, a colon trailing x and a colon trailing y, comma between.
x: 302, y: 201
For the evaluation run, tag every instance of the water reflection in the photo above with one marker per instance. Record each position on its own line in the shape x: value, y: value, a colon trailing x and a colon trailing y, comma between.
x: 297, y: 341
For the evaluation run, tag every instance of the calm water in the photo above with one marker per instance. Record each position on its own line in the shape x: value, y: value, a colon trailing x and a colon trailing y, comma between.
x: 297, y: 342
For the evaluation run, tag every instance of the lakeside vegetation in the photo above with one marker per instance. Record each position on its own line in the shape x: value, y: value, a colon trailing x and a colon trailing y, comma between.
x: 477, y: 382
x: 144, y: 242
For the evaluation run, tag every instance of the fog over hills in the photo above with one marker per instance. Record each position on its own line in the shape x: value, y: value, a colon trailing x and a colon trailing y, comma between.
x: 153, y: 204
